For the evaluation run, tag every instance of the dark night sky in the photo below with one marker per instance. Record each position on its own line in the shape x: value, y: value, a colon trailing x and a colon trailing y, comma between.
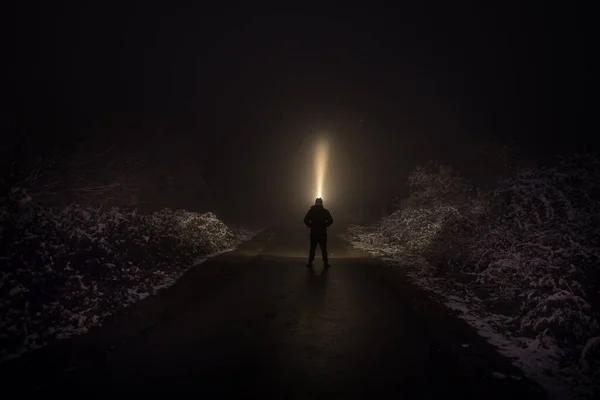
x: 240, y: 91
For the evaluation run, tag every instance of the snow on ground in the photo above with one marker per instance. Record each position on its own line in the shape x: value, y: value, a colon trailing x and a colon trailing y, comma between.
x: 519, y: 257
x: 80, y: 322
x: 539, y: 361
x: 65, y: 271
x: 243, y: 233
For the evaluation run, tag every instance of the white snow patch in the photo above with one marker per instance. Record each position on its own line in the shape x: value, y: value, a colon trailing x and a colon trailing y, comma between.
x: 528, y: 354
x: 537, y: 360
x: 244, y: 234
x: 85, y: 302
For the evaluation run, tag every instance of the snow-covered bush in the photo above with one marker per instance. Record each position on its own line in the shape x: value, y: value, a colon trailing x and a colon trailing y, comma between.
x: 544, y: 248
x: 439, y: 198
x: 535, y: 240
x: 62, y: 270
x: 174, y: 234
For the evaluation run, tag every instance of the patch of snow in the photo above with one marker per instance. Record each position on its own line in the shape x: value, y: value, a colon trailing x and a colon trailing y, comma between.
x: 84, y: 299
x: 244, y: 234
x: 526, y: 353
x: 538, y: 361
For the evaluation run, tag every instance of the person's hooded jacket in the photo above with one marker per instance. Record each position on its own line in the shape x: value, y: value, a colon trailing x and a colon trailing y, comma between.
x: 318, y: 219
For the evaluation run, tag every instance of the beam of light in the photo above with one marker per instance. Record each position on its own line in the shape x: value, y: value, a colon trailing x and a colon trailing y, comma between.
x: 322, y: 150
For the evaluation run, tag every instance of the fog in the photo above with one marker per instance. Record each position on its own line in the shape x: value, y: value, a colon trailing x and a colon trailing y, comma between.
x: 228, y: 106
x: 158, y: 170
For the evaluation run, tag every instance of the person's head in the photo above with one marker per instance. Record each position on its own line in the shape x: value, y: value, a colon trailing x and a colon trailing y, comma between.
x: 319, y: 201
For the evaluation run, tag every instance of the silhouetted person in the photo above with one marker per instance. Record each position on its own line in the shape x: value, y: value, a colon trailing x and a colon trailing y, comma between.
x: 318, y: 219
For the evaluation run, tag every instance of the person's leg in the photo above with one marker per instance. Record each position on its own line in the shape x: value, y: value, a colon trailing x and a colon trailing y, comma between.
x: 313, y: 248
x: 323, y: 245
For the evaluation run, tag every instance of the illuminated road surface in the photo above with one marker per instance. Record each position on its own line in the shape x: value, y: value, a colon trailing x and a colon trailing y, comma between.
x: 258, y: 322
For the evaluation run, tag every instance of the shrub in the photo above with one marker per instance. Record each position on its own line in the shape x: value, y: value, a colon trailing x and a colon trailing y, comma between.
x: 535, y: 239
x: 62, y: 270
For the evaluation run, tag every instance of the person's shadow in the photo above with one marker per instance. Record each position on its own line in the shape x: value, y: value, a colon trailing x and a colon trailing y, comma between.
x: 317, y: 284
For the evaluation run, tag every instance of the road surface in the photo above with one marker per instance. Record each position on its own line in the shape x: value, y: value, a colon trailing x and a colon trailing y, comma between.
x: 257, y: 322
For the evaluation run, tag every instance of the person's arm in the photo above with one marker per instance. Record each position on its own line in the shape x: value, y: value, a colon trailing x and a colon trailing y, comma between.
x: 329, y: 219
x: 307, y: 220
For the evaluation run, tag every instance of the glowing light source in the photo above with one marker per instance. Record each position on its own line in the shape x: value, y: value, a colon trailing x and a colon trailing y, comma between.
x: 321, y: 153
